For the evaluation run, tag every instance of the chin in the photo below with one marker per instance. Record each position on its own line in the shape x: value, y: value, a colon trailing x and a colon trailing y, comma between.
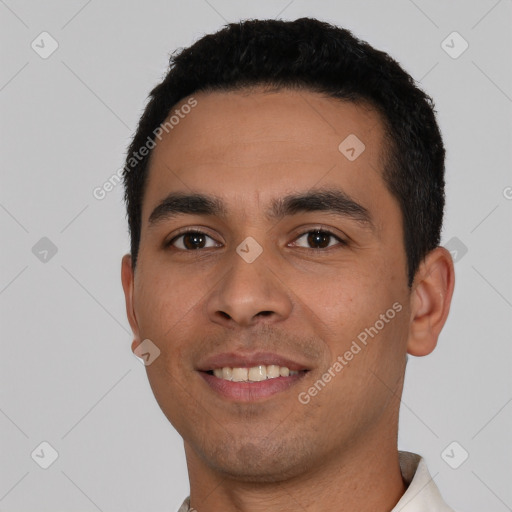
x: 268, y: 462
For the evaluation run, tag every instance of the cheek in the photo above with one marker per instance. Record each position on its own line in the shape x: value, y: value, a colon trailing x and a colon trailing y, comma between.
x: 165, y: 307
x: 165, y: 300
x: 171, y: 313
x: 345, y: 299
x: 358, y: 306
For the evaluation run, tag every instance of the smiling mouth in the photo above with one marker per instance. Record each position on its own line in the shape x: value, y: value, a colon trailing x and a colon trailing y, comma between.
x: 245, y: 385
x: 257, y: 373
x: 244, y: 377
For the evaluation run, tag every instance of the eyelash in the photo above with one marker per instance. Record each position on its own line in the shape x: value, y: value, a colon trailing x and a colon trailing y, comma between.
x: 327, y: 232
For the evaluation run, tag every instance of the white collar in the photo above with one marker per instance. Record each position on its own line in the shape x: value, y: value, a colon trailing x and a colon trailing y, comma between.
x: 422, y: 494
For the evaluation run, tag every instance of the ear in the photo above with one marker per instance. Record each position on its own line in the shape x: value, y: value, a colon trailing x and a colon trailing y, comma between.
x: 431, y: 296
x: 127, y: 278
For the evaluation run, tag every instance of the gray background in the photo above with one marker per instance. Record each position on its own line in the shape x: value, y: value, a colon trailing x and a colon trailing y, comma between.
x: 68, y: 376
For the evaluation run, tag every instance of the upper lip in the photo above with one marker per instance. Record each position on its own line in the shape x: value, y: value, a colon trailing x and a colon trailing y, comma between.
x: 249, y: 360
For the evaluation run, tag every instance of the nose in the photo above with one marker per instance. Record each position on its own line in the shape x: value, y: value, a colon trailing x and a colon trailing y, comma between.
x: 249, y: 293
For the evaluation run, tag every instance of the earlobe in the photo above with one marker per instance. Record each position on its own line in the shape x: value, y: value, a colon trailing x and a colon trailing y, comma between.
x: 430, y: 301
x: 127, y: 279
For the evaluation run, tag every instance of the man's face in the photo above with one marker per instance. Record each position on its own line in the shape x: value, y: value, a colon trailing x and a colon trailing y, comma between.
x: 259, y: 287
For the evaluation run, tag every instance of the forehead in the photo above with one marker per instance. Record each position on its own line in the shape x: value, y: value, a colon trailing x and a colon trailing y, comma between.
x: 250, y: 146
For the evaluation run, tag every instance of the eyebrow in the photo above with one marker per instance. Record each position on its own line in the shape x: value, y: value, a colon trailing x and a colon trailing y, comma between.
x: 330, y: 200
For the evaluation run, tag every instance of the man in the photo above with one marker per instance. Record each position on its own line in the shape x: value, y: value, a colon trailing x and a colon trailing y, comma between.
x: 285, y: 194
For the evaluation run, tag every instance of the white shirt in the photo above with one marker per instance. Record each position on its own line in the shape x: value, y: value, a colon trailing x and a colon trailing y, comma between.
x: 421, y: 495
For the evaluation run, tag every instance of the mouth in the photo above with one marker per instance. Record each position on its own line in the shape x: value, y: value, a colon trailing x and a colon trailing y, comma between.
x: 247, y: 378
x: 254, y: 374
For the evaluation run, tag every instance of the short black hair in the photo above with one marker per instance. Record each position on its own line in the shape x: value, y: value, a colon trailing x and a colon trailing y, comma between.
x: 308, y: 54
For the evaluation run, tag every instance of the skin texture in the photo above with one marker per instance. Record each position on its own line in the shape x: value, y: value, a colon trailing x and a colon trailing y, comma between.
x: 306, y: 303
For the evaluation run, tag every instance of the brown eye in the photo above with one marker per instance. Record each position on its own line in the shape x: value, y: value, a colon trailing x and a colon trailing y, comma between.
x: 319, y: 239
x: 192, y: 240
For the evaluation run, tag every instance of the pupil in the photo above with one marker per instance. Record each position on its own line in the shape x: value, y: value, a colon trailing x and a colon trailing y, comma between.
x: 197, y: 240
x: 319, y: 238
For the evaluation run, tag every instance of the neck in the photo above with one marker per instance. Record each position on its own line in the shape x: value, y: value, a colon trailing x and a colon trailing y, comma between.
x: 366, y: 478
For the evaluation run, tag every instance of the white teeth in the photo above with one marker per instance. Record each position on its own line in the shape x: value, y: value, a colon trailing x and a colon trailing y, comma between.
x: 272, y: 371
x: 227, y: 373
x: 253, y: 374
x: 239, y: 374
x: 257, y: 373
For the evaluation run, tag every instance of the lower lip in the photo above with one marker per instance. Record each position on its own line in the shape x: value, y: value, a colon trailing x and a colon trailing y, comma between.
x: 250, y: 391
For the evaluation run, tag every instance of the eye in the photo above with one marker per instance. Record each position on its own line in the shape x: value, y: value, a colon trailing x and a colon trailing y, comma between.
x: 320, y: 238
x: 192, y: 240
x: 314, y: 239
